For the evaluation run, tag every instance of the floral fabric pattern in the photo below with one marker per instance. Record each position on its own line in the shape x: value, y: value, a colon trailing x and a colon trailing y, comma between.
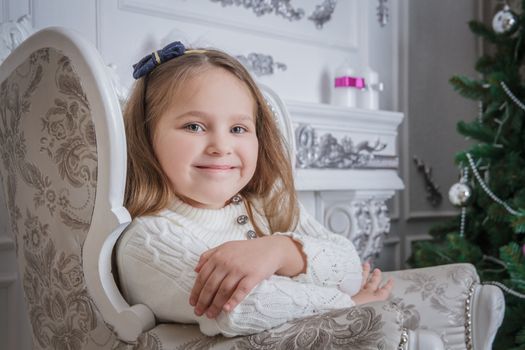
x: 372, y: 326
x: 434, y: 298
x: 49, y: 163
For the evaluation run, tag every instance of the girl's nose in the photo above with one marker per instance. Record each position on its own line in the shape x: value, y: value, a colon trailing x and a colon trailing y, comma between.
x: 219, y: 144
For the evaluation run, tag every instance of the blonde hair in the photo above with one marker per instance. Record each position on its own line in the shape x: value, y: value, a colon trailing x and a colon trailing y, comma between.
x: 148, y: 189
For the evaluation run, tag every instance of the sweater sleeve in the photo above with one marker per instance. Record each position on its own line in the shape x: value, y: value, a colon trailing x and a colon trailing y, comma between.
x: 156, y: 261
x: 331, y: 259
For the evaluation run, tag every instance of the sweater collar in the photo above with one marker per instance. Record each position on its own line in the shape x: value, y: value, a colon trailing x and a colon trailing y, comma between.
x: 229, y: 211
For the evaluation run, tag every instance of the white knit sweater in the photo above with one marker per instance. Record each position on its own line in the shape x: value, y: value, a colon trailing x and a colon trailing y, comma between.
x: 156, y: 257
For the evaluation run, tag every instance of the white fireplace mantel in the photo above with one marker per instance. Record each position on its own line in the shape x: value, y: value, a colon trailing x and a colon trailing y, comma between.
x: 351, y: 200
x: 359, y: 125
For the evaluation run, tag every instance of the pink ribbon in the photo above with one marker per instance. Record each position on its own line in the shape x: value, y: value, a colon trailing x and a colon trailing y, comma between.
x: 350, y: 82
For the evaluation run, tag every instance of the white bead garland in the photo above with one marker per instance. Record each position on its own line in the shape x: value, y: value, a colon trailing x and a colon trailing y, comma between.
x: 462, y: 222
x: 480, y: 111
x: 499, y: 201
x: 506, y: 289
x: 487, y: 190
x: 464, y: 179
x: 511, y: 95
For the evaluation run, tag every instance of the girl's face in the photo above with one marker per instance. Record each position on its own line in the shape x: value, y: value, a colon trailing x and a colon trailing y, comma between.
x: 206, y: 141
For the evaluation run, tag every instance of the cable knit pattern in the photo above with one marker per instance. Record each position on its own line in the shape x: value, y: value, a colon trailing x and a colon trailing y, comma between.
x: 330, y: 257
x: 156, y: 257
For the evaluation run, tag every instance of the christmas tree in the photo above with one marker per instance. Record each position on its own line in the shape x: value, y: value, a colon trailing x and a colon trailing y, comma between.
x: 490, y: 231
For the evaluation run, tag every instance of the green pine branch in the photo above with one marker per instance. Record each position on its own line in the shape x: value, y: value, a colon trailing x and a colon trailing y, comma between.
x: 485, y: 64
x: 440, y: 230
x: 484, y: 31
x: 476, y: 131
x: 520, y: 338
x: 512, y: 255
x: 518, y: 223
x: 479, y: 151
x: 498, y: 213
x: 468, y: 88
x: 519, y: 196
x: 492, y: 109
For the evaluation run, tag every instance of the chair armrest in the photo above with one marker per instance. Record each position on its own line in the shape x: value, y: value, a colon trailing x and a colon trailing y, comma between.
x: 423, y: 339
x: 488, y: 305
x: 370, y: 326
x: 435, y: 298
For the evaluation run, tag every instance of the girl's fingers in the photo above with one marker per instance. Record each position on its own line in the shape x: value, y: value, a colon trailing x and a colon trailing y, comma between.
x: 366, y: 273
x: 385, y: 290
x: 244, y: 287
x: 226, y: 290
x: 389, y: 284
x: 209, y: 290
x: 373, y: 283
x: 201, y: 279
x: 204, y: 257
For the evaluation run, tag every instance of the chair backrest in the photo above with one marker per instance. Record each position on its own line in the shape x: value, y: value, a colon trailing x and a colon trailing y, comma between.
x: 63, y: 168
x: 283, y: 118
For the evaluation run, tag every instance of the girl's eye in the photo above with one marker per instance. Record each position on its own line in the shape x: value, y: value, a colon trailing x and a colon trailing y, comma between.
x: 238, y: 130
x: 194, y: 127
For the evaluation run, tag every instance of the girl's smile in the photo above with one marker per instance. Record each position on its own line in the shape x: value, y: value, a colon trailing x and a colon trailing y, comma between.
x: 216, y: 170
x: 217, y: 167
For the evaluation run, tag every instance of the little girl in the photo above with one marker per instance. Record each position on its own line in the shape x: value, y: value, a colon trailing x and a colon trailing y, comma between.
x: 218, y: 236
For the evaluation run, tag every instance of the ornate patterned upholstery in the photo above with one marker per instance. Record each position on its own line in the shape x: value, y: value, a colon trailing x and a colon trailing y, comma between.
x: 49, y: 173
x: 447, y: 299
x: 63, y: 171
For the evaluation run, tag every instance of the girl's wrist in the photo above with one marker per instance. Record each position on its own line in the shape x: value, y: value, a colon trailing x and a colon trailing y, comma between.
x: 292, y: 260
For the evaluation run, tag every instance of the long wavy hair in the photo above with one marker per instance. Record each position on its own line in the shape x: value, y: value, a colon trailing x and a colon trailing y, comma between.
x: 148, y: 189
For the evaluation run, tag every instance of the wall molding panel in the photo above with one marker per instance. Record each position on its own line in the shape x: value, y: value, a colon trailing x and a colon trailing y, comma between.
x: 11, y: 315
x: 422, y: 109
x: 4, y: 6
x: 6, y: 243
x: 391, y: 252
x: 292, y: 32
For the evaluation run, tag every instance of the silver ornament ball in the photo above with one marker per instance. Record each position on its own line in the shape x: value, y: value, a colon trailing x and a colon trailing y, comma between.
x: 459, y: 194
x: 504, y: 21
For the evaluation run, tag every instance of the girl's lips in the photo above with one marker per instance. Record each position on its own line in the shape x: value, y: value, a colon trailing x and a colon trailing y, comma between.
x: 215, y: 167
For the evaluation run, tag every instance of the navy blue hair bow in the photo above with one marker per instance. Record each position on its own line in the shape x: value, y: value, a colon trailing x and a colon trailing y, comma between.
x: 146, y: 65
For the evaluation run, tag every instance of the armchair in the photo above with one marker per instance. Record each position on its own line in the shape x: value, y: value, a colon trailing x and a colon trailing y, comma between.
x: 63, y: 174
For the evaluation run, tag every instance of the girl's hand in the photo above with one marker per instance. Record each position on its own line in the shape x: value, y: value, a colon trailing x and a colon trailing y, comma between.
x: 370, y: 290
x: 227, y: 273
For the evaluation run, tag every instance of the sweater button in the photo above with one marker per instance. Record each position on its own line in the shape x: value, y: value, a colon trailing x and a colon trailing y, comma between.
x: 251, y: 234
x: 242, y: 219
x: 236, y: 199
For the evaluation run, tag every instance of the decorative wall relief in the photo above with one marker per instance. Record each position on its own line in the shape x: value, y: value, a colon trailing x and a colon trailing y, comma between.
x: 260, y: 64
x: 328, y: 152
x: 283, y: 8
x: 342, y: 30
x: 367, y: 224
x: 382, y: 13
x: 323, y: 13
x: 375, y: 212
x: 434, y: 195
x: 12, y: 33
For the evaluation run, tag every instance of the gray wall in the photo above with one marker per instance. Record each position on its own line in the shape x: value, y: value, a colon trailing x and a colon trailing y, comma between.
x: 435, y: 44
